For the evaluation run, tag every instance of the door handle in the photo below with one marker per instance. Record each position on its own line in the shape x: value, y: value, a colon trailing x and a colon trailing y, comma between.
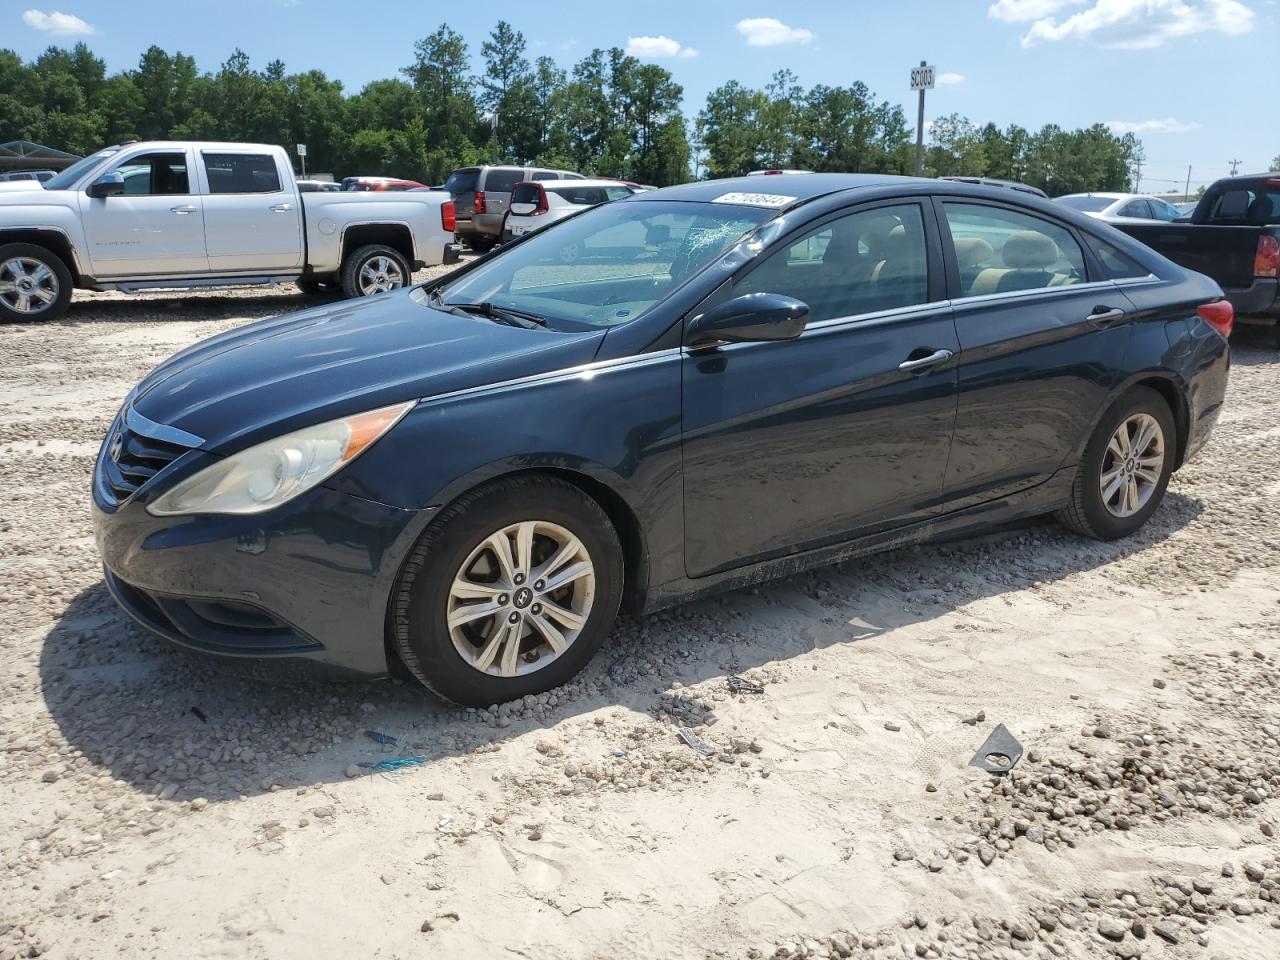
x: 280, y: 208
x: 938, y: 356
x: 1104, y: 316
x: 183, y: 209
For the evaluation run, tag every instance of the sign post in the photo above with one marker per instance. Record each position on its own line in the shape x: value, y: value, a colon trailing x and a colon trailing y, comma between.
x: 922, y: 80
x: 302, y: 155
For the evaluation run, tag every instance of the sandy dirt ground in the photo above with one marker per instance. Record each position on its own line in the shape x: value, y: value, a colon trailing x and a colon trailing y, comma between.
x: 155, y: 804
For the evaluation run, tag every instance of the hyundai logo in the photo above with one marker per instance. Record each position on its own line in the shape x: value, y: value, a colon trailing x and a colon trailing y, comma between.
x: 117, y: 445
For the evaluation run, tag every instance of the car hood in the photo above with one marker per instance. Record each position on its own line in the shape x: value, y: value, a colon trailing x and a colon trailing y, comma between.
x: 277, y: 375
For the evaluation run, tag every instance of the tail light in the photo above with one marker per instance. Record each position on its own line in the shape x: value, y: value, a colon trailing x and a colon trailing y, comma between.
x: 479, y: 206
x: 1219, y: 315
x: 448, y: 216
x: 543, y: 206
x: 1266, y: 263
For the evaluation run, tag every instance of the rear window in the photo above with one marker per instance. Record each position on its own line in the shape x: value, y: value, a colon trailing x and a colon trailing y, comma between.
x: 526, y: 193
x: 241, y: 173
x: 1259, y: 204
x: 1117, y: 265
x: 463, y: 181
x: 1086, y: 204
x: 501, y: 181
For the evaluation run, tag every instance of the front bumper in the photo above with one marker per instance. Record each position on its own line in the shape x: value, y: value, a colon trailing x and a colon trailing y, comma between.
x: 307, y: 583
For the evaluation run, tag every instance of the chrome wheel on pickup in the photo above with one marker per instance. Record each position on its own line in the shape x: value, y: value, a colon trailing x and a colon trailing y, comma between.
x: 34, y: 284
x: 372, y: 269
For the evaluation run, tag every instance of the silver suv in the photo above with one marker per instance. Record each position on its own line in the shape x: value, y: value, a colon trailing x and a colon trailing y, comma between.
x: 482, y: 195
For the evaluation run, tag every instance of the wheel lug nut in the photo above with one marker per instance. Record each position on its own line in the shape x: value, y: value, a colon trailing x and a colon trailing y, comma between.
x: 540, y: 585
x: 536, y: 608
x: 519, y: 578
x: 503, y: 598
x: 513, y: 618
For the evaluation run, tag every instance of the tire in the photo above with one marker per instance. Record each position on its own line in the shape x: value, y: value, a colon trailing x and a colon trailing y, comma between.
x: 35, y: 285
x: 1130, y: 506
x: 374, y: 268
x: 451, y: 662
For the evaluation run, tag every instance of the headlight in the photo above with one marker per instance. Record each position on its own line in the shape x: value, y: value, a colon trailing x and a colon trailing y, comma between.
x: 263, y: 477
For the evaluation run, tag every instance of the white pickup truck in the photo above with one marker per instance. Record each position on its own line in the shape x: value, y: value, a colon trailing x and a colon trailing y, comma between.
x: 192, y: 215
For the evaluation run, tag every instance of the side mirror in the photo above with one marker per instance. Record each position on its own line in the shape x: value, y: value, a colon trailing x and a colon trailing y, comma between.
x: 108, y: 185
x: 749, y: 318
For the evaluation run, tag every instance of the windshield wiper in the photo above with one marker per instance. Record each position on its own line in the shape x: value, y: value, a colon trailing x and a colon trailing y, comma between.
x: 513, y: 318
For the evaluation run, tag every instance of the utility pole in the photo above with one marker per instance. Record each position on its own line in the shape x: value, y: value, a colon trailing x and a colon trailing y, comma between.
x: 922, y: 80
x: 1186, y: 194
x: 1235, y: 165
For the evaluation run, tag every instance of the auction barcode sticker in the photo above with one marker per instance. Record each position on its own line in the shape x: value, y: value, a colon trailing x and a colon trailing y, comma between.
x: 754, y: 199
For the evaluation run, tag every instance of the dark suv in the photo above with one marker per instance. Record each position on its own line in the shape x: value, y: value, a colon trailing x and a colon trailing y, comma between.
x: 481, y: 196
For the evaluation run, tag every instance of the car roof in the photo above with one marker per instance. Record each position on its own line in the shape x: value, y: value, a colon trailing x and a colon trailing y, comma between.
x: 585, y: 182
x: 1103, y: 195
x: 795, y: 186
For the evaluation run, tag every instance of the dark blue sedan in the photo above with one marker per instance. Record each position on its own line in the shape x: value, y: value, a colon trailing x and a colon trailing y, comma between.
x: 687, y: 390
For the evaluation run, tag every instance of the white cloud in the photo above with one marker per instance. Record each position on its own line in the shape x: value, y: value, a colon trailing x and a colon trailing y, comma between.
x: 1167, y: 125
x: 1143, y: 24
x: 658, y: 48
x: 1020, y: 11
x: 768, y: 32
x: 950, y: 79
x: 56, y: 23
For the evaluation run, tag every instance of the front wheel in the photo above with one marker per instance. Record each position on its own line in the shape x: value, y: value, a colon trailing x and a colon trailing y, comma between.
x: 373, y: 268
x: 34, y: 284
x: 509, y: 592
x: 1126, y: 468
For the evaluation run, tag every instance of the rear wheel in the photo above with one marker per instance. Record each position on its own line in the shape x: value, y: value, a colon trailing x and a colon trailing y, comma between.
x: 373, y: 268
x: 34, y: 284
x: 510, y: 591
x: 1126, y: 468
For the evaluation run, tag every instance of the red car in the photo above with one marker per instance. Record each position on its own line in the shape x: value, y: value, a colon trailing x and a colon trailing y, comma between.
x: 378, y: 183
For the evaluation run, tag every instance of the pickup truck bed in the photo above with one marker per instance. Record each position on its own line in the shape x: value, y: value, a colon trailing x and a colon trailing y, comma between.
x: 1232, y: 236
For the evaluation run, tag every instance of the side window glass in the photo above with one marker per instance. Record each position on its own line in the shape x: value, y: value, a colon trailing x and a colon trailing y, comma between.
x: 241, y: 173
x: 1002, y: 250
x: 861, y: 263
x: 1164, y: 211
x: 546, y: 175
x: 155, y: 174
x: 1118, y: 266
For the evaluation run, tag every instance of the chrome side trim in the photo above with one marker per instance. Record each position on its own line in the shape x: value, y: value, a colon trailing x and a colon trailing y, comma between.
x: 1033, y: 292
x: 139, y: 424
x: 1137, y: 281
x: 585, y: 371
x: 918, y: 309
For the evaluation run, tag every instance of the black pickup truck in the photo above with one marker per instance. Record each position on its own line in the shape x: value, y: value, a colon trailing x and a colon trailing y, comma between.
x: 1233, y: 236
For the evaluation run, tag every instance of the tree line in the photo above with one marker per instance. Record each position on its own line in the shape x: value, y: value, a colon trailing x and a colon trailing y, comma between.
x: 609, y: 115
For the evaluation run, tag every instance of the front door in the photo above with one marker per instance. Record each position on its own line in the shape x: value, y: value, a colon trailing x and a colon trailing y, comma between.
x: 792, y: 445
x: 1041, y: 348
x: 253, y: 219
x: 155, y: 228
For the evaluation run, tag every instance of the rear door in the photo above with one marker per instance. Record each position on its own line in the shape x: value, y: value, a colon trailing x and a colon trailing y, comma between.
x: 498, y: 182
x: 1042, y: 343
x: 156, y: 227
x: 793, y: 445
x: 252, y: 215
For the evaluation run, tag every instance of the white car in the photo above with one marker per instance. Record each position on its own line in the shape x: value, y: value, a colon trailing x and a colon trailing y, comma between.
x: 539, y: 203
x: 1120, y: 206
x: 193, y: 215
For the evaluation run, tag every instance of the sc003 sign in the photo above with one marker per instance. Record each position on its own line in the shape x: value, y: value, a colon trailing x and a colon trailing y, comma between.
x: 922, y: 78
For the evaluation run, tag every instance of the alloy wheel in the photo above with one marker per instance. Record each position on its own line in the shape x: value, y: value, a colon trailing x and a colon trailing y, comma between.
x: 521, y: 598
x: 27, y: 285
x: 1132, y: 465
x: 380, y: 274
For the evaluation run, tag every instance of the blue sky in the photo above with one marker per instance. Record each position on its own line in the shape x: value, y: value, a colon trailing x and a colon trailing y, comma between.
x: 1194, y: 78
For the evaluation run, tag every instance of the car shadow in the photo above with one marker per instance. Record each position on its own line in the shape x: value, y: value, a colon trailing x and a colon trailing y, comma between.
x: 192, y: 307
x: 1253, y: 345
x: 154, y: 717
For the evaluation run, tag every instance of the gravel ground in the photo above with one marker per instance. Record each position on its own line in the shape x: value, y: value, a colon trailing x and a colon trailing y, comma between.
x: 155, y: 803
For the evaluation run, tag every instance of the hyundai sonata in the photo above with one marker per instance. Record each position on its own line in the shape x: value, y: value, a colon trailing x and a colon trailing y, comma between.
x: 677, y: 392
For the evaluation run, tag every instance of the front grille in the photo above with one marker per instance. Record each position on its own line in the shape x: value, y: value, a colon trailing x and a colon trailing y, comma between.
x: 136, y: 450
